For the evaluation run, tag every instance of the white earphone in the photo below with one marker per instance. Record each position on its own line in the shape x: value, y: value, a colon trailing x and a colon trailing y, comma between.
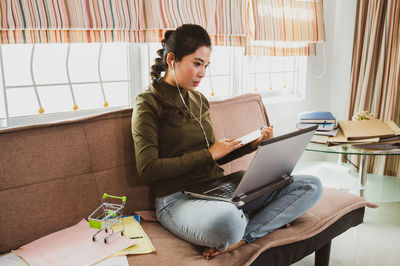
x: 183, y: 101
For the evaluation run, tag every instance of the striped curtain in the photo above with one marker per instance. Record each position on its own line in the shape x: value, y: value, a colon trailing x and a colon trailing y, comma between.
x: 375, y: 70
x: 286, y: 27
x: 271, y: 27
x: 48, y: 21
x: 226, y: 22
x: 163, y: 15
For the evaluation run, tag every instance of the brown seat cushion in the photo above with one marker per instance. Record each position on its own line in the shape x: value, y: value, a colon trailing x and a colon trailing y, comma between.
x: 174, y: 251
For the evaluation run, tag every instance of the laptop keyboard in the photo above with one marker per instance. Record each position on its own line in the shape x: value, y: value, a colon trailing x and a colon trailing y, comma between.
x: 225, y: 191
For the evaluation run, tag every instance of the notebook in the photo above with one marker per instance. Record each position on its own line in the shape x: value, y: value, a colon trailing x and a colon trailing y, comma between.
x: 270, y: 169
x: 365, y: 129
x: 316, y: 117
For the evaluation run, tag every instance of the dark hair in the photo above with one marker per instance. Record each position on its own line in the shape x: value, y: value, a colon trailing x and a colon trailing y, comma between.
x: 183, y: 41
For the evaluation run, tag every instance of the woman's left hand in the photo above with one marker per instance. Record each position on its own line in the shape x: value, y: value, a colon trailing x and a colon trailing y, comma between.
x: 267, y: 133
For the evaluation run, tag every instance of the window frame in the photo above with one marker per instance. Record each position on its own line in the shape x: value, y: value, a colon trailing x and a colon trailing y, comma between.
x: 22, y: 120
x: 139, y: 61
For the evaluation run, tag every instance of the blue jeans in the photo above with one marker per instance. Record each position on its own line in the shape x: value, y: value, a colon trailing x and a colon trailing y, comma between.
x: 220, y: 224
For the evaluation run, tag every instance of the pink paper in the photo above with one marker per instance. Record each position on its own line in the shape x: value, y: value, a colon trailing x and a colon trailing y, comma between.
x: 72, y: 246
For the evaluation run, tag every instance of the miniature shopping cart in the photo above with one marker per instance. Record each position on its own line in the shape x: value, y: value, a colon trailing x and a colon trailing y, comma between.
x: 107, y: 215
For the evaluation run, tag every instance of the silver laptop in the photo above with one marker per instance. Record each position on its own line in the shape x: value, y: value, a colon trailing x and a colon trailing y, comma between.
x: 270, y: 169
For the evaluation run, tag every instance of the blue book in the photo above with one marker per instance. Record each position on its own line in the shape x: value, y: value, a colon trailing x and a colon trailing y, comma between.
x: 321, y: 126
x: 317, y: 117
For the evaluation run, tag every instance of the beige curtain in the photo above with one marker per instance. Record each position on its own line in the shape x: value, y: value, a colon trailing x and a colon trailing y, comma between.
x: 60, y: 21
x: 375, y: 70
x: 269, y: 27
x: 285, y: 27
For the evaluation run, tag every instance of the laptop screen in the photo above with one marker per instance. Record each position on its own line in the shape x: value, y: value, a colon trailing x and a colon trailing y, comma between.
x: 275, y: 158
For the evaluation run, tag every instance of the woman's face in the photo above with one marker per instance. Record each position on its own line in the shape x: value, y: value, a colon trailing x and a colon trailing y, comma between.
x: 192, y: 68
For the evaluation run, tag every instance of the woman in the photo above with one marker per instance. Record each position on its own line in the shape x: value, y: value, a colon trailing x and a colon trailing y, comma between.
x: 175, y: 148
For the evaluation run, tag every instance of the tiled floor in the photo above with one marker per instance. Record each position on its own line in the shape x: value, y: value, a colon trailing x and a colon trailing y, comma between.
x: 377, y: 240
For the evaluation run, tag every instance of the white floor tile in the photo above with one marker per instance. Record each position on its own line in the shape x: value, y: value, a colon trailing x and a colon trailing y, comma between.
x: 377, y: 240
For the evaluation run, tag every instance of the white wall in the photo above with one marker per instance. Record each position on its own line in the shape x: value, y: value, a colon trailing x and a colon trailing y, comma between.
x: 330, y: 91
x: 343, y: 38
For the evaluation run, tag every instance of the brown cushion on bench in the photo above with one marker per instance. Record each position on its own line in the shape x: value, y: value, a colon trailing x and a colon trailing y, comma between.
x: 173, y: 251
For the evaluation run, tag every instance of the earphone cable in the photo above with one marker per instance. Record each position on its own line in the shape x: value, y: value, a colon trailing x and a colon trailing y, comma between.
x: 201, y: 105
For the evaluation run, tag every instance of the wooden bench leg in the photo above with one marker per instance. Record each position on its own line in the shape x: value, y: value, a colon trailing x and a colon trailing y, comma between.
x: 322, y: 255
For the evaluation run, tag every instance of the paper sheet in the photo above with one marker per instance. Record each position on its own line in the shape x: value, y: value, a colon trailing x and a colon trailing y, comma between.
x: 133, y: 229
x: 319, y: 139
x: 72, y: 246
x: 393, y: 127
x: 114, y: 261
x: 340, y: 139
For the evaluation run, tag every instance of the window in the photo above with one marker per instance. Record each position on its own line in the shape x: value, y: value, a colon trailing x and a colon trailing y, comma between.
x: 218, y: 82
x: 41, y: 80
x: 275, y: 77
x: 57, y: 77
x: 231, y: 73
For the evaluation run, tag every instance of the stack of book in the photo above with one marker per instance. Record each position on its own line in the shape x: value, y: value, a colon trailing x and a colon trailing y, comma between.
x: 327, y: 124
x: 368, y: 134
x: 371, y: 135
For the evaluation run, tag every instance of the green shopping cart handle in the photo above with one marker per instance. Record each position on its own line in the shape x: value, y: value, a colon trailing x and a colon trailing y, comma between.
x: 123, y: 198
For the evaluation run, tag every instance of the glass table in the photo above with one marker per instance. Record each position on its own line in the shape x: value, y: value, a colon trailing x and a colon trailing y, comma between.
x: 349, y: 150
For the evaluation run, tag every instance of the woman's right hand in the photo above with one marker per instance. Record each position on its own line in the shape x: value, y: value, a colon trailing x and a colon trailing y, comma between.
x: 223, y: 147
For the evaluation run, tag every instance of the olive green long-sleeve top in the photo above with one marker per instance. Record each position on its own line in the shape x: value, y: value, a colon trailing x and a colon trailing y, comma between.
x: 172, y: 157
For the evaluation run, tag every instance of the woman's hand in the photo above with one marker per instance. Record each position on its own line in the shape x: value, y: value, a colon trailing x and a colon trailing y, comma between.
x: 223, y: 147
x: 267, y: 133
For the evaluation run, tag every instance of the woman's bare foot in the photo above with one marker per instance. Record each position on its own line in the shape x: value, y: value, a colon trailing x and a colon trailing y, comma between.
x: 210, y: 253
x: 285, y: 226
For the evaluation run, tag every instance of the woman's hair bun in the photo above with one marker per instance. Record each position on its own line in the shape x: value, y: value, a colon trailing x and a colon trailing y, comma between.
x: 183, y: 41
x: 167, y: 34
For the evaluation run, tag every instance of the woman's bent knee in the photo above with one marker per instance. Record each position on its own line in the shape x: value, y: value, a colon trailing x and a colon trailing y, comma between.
x: 226, y: 227
x: 314, y: 187
x: 207, y: 223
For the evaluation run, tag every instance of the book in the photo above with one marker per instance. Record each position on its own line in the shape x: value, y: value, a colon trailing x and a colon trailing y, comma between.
x: 317, y: 118
x: 379, y: 147
x: 319, y: 139
x: 340, y: 139
x: 365, y: 129
x: 250, y: 137
x: 72, y: 246
x: 331, y: 133
x: 321, y: 127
